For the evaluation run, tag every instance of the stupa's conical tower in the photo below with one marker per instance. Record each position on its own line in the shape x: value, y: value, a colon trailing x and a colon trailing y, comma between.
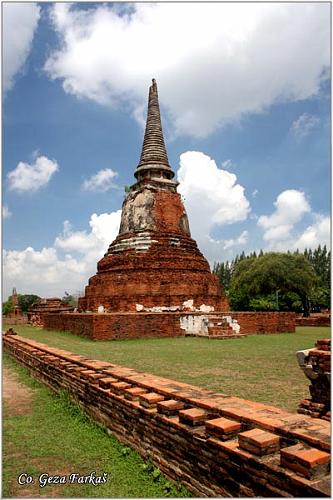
x: 153, y: 261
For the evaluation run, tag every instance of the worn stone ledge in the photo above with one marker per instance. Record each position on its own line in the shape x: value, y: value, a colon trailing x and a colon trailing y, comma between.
x: 193, y: 435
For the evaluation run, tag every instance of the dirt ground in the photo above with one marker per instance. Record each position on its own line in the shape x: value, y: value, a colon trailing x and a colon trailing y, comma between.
x: 16, y: 396
x: 18, y: 400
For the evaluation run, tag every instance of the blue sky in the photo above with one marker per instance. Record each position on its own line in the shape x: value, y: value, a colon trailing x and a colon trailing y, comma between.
x: 245, y: 98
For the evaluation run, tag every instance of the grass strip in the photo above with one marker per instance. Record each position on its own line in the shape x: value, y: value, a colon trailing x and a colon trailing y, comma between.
x: 54, y: 436
x: 261, y: 368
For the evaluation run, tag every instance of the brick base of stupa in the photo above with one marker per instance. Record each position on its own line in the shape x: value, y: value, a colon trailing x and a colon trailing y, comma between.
x: 145, y: 324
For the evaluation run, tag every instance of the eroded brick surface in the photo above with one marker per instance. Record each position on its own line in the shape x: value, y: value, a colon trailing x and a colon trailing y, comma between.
x: 209, y: 465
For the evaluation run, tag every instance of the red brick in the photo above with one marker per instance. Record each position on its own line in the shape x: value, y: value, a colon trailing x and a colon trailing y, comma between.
x: 150, y: 399
x: 309, y: 462
x: 134, y: 392
x: 222, y: 427
x: 193, y: 416
x: 119, y: 387
x: 259, y: 442
x: 170, y: 407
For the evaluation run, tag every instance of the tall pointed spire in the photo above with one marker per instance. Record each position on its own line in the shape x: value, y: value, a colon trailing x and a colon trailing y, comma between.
x: 154, y: 155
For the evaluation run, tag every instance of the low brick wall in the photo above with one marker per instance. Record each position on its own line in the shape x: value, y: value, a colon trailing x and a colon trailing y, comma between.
x: 314, y: 320
x: 215, y: 445
x: 115, y: 326
x: 15, y: 320
x: 265, y: 322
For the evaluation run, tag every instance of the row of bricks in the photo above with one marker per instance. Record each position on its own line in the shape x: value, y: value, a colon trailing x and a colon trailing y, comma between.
x: 300, y: 458
x: 308, y: 462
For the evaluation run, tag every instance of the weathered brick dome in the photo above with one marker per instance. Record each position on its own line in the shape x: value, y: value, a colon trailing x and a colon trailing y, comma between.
x: 153, y: 261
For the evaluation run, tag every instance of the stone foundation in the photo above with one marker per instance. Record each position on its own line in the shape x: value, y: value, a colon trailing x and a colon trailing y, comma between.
x: 116, y: 326
x: 215, y: 445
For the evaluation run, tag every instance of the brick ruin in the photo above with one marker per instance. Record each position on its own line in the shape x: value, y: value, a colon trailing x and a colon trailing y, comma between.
x: 215, y: 445
x: 16, y: 316
x: 118, y: 326
x: 316, y: 365
x: 154, y: 269
x: 38, y: 310
x: 153, y: 262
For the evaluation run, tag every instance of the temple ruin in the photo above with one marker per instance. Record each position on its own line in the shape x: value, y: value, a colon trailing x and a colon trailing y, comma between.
x: 153, y: 262
x: 16, y: 316
x: 153, y: 279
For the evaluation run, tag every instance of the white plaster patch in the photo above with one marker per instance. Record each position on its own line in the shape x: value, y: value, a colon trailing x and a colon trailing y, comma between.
x: 188, y: 305
x: 206, y: 309
x: 194, y: 324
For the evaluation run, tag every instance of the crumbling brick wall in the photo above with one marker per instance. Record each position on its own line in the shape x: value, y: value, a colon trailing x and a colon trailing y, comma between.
x: 117, y: 326
x: 316, y: 365
x: 215, y: 445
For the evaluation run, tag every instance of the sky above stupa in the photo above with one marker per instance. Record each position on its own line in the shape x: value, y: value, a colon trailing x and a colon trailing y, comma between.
x: 244, y: 91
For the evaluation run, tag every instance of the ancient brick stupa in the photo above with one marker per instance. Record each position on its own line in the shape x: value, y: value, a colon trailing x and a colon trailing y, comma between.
x: 16, y: 316
x: 153, y: 262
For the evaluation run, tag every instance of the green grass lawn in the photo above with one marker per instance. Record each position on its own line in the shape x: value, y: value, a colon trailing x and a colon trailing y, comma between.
x: 259, y: 367
x: 52, y: 435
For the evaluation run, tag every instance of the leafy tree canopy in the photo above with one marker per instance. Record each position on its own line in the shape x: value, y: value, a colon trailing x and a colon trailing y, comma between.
x: 25, y: 301
x: 282, y: 273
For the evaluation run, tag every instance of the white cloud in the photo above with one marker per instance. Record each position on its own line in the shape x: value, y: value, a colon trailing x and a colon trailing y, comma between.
x: 317, y: 233
x: 255, y: 192
x: 304, y: 124
x: 100, y: 182
x: 222, y: 61
x: 6, y: 212
x: 290, y: 207
x: 61, y: 271
x: 19, y: 24
x: 241, y: 240
x: 27, y: 177
x: 212, y: 198
x: 280, y: 228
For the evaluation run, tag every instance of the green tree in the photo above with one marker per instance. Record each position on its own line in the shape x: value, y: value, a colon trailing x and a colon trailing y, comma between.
x: 271, y: 273
x: 7, y: 307
x: 320, y: 260
x: 26, y: 300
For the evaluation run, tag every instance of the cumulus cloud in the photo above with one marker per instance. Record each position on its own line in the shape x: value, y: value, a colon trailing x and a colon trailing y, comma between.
x: 6, y: 212
x: 26, y: 177
x: 19, y: 23
x: 222, y: 61
x: 318, y: 233
x: 304, y: 125
x: 281, y: 231
x: 212, y: 198
x: 290, y: 207
x: 65, y: 266
x: 100, y: 182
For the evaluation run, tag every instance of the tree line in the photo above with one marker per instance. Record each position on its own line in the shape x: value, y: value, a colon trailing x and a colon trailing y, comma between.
x: 272, y: 281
